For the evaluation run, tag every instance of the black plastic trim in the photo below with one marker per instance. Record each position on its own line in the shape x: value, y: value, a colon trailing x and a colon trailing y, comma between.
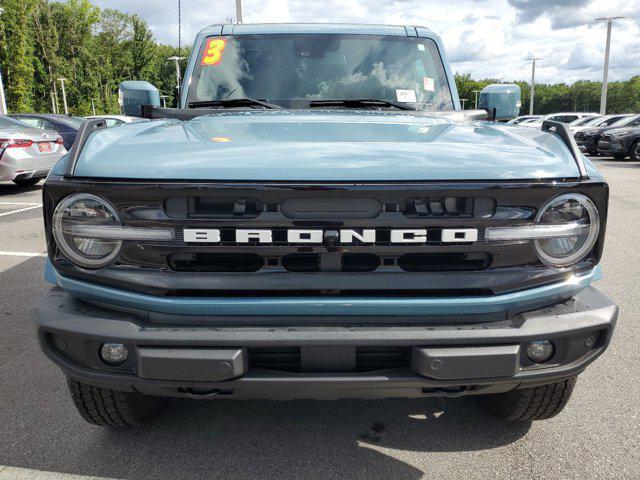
x: 562, y: 130
x: 84, y: 132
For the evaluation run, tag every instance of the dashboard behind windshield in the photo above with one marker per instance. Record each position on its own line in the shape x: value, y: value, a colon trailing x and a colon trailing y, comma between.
x: 291, y: 70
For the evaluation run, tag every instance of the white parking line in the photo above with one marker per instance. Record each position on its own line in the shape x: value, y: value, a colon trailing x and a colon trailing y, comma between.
x: 12, y: 473
x: 20, y: 203
x: 20, y: 210
x: 22, y: 254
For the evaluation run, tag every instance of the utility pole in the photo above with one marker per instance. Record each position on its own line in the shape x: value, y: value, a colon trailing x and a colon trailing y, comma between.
x: 3, y: 102
x: 238, y: 11
x: 177, y: 60
x: 64, y: 96
x: 54, y: 110
x: 93, y: 107
x: 605, y: 73
x: 476, y: 92
x: 533, y: 81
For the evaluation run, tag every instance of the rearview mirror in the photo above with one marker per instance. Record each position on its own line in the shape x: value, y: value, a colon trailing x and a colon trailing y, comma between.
x: 501, y: 101
x: 133, y: 94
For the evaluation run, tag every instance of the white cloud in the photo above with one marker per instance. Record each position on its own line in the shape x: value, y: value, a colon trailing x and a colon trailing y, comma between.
x: 487, y: 38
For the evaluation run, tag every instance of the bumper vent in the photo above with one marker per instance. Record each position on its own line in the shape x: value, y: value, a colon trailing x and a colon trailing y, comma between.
x: 367, y: 358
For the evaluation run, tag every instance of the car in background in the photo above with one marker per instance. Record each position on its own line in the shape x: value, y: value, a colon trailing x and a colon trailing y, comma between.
x: 562, y: 117
x: 588, y: 139
x: 524, y: 119
x: 65, y: 125
x: 27, y: 153
x: 595, y: 122
x: 621, y: 142
x: 113, y: 120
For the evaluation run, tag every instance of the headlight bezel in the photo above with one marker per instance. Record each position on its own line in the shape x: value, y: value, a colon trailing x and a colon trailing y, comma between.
x: 592, y: 237
x: 68, y: 250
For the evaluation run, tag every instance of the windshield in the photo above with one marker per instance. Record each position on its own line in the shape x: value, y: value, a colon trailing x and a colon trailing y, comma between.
x: 7, y: 122
x: 293, y: 69
x: 584, y: 121
x: 75, y: 122
x: 625, y: 121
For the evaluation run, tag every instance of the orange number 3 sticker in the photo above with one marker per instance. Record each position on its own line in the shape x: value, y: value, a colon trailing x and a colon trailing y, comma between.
x: 213, y: 51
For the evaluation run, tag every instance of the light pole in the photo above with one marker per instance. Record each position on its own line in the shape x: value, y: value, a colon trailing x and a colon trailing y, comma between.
x: 64, y: 96
x: 476, y: 92
x: 53, y: 104
x: 605, y: 73
x: 533, y: 81
x: 238, y: 11
x: 3, y: 102
x: 93, y: 107
x: 177, y: 60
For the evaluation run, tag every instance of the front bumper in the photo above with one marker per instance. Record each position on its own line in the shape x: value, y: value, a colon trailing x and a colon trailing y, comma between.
x: 444, y: 359
x: 611, y: 148
x: 587, y: 144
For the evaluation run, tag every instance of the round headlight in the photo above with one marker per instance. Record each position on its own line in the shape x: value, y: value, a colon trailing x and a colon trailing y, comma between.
x: 84, y: 209
x: 570, y: 209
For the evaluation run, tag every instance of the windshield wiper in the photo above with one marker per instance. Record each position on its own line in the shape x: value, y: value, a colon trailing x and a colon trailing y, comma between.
x: 234, y: 102
x: 359, y: 102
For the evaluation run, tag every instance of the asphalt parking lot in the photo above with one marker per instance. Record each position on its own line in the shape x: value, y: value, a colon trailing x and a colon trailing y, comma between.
x: 595, y: 437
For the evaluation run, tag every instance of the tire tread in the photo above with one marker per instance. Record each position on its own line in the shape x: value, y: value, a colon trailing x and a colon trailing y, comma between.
x: 535, y: 403
x: 104, y: 407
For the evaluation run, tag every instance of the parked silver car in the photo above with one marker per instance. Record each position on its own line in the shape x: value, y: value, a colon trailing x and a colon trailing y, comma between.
x: 26, y: 153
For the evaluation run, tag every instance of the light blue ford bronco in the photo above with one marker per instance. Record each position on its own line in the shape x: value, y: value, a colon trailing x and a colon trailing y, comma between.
x: 319, y: 219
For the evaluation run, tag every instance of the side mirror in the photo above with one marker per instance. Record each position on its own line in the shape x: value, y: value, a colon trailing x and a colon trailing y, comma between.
x: 501, y: 101
x: 133, y: 94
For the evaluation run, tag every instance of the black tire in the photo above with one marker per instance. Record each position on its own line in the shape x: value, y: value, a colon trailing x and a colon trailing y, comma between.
x: 109, y: 408
x: 536, y: 403
x: 619, y: 156
x: 635, y: 151
x: 26, y: 182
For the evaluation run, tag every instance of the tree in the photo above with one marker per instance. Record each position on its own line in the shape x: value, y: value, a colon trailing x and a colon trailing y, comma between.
x: 17, y: 53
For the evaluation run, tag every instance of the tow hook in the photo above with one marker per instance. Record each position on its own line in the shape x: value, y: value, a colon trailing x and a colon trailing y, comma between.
x: 199, y: 394
x: 450, y: 392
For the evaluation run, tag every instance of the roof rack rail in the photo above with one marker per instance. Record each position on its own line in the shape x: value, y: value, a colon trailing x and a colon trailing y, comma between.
x: 565, y: 135
x: 85, y: 130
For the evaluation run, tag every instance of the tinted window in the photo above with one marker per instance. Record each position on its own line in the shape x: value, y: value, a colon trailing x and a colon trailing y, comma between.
x: 292, y: 69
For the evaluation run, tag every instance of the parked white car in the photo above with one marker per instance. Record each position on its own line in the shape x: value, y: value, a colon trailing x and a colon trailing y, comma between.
x: 524, y: 119
x: 564, y: 117
x: 113, y: 120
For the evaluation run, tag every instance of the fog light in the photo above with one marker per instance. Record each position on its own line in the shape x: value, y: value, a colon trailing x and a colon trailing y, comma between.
x: 113, y: 353
x: 540, y: 351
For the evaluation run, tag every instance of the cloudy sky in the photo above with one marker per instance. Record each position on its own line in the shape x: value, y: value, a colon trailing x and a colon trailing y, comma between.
x: 487, y: 38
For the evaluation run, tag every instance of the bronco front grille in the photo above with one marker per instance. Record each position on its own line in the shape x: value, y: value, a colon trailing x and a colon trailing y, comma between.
x: 227, y: 266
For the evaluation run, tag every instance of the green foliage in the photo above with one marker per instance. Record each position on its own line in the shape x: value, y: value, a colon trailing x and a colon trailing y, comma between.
x: 42, y: 41
x: 582, y: 96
